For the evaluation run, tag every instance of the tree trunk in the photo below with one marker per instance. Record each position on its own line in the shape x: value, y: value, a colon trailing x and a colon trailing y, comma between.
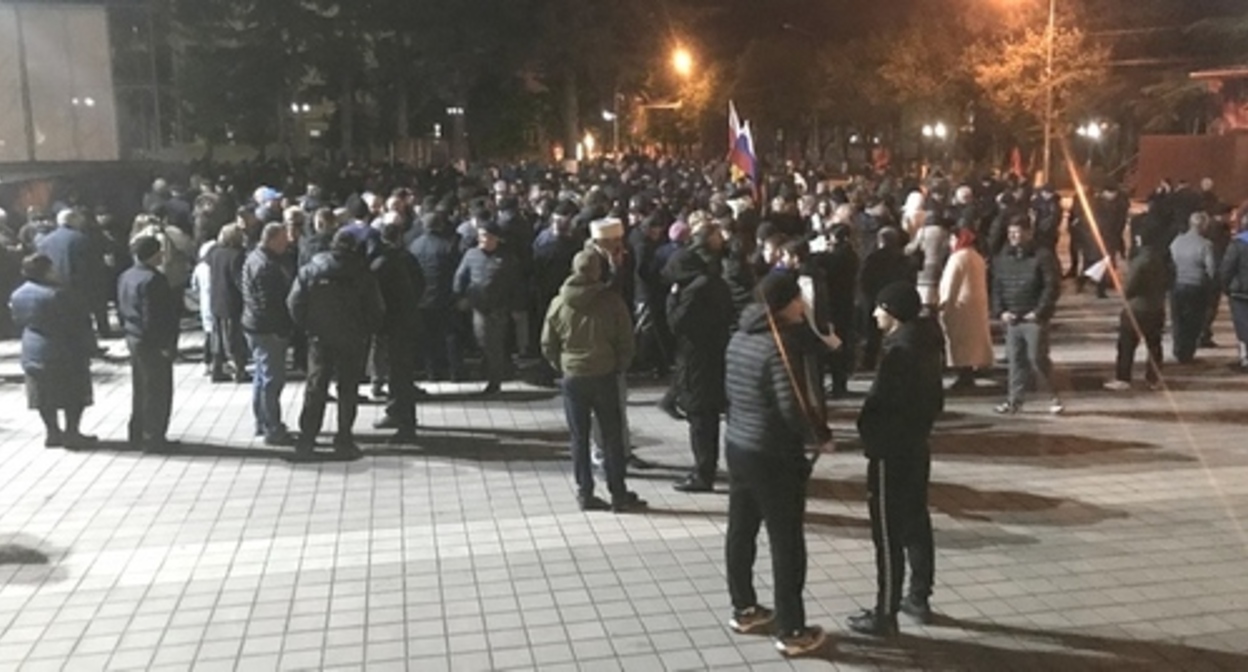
x: 571, y: 114
x: 402, y: 129
x: 346, y: 117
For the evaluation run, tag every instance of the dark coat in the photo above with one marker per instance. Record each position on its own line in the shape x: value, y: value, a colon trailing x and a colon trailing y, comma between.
x: 265, y: 284
x: 840, y: 271
x: 552, y: 263
x: 764, y: 413
x: 56, y: 344
x: 336, y: 300
x: 310, y: 246
x: 438, y: 257
x: 908, y: 394
x: 148, y: 308
x: 401, y: 284
x: 699, y: 313
x: 649, y: 284
x: 1149, y: 278
x: 1047, y: 215
x: 881, y: 268
x: 77, y: 260
x: 490, y: 281
x: 1025, y: 279
x: 739, y: 273
x: 225, y: 276
x: 1234, y: 271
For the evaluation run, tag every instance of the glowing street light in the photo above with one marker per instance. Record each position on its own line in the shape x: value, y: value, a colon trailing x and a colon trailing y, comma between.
x: 1092, y: 131
x: 938, y: 131
x: 682, y: 62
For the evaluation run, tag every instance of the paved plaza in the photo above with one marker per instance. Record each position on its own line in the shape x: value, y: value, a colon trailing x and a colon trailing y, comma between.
x: 1110, y: 538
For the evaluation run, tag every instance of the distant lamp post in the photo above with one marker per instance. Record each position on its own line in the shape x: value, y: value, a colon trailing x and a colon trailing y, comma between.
x: 613, y: 118
x: 1093, y: 132
x: 456, y: 114
x: 933, y: 134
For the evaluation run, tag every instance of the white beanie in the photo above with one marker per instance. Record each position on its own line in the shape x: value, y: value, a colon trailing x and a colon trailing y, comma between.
x: 606, y: 229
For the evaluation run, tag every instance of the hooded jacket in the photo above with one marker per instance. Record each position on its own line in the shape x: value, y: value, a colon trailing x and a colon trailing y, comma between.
x: 699, y: 313
x: 764, y: 414
x: 1149, y: 277
x: 908, y: 393
x: 336, y: 299
x: 588, y: 330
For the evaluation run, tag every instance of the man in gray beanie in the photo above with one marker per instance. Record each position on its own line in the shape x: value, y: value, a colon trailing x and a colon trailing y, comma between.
x: 895, y: 422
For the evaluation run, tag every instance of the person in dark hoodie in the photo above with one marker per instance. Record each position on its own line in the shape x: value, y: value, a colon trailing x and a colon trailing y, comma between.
x: 588, y: 336
x: 895, y: 422
x: 1149, y: 276
x: 336, y: 299
x: 401, y: 282
x: 883, y: 266
x: 771, y: 419
x: 699, y: 312
x: 437, y: 254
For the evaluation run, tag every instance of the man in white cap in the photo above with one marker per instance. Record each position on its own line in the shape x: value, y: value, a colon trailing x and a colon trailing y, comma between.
x: 606, y: 239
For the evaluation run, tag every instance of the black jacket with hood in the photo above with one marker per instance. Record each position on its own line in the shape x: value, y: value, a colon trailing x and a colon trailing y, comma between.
x: 907, y: 395
x: 336, y: 300
x: 699, y: 313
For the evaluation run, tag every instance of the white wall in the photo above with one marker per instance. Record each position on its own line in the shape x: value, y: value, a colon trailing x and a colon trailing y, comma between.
x: 69, y: 69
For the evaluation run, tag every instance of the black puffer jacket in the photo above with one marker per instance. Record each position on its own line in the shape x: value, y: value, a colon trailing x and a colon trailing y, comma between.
x: 438, y: 257
x: 907, y: 395
x: 336, y: 300
x: 699, y: 313
x: 401, y: 284
x: 1025, y: 279
x: 265, y: 284
x: 764, y: 414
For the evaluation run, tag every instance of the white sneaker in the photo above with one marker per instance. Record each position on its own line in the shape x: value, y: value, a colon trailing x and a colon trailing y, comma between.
x: 1118, y: 386
x: 1056, y: 407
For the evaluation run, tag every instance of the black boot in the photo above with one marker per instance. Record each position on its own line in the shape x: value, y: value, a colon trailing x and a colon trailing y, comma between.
x: 872, y: 624
x: 917, y: 608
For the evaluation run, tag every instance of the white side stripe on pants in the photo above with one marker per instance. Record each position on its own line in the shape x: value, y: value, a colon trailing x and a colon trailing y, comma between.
x: 888, y: 548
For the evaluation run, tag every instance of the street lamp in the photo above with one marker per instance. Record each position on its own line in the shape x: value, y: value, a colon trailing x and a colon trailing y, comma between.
x: 682, y: 62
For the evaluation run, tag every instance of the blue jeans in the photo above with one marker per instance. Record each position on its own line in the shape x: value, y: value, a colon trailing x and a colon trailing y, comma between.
x: 597, y: 397
x: 268, y: 352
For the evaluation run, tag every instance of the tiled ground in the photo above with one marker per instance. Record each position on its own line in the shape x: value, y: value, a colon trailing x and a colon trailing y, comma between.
x: 1111, y: 538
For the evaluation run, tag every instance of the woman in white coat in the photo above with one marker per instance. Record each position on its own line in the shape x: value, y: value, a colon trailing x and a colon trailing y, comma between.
x: 964, y: 311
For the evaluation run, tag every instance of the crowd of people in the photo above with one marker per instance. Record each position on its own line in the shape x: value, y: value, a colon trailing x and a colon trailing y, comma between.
x: 758, y: 303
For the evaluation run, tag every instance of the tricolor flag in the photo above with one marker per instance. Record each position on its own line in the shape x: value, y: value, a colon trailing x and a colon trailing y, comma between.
x: 741, y: 147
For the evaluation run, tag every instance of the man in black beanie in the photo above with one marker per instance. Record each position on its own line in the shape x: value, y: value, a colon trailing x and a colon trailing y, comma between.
x: 895, y: 422
x: 771, y: 419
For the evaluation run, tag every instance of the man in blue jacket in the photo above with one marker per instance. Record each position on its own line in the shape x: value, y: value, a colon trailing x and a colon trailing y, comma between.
x: 149, y: 317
